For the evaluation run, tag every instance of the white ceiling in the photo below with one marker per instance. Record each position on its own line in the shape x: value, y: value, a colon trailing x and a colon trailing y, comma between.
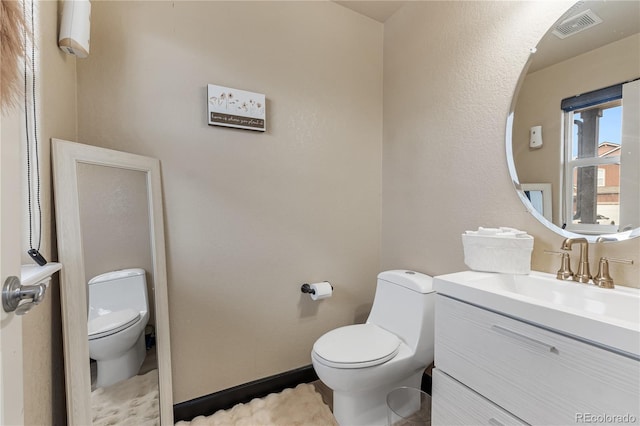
x: 378, y: 10
x: 620, y: 19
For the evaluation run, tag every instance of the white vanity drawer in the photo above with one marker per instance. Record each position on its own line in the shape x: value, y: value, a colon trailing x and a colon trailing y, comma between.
x: 454, y: 404
x: 541, y: 376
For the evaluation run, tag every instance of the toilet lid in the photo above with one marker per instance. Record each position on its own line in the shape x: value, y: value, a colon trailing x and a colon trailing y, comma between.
x: 111, y: 323
x: 356, y: 346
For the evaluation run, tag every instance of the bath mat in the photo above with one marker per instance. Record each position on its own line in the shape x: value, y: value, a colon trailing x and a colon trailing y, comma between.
x: 130, y: 402
x: 301, y: 406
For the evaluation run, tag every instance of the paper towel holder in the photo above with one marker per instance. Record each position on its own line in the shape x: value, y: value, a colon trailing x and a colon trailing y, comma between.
x: 306, y: 288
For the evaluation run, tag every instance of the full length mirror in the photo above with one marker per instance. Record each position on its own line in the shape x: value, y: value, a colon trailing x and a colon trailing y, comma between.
x: 114, y: 296
x: 574, y: 127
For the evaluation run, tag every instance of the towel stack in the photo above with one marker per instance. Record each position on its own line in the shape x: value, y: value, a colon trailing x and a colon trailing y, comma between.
x: 504, y: 250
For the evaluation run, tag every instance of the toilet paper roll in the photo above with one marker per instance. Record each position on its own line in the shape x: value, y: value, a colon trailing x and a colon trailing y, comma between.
x: 322, y: 290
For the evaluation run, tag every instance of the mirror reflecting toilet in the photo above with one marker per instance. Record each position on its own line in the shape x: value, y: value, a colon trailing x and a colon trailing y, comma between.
x: 114, y: 295
x: 118, y: 315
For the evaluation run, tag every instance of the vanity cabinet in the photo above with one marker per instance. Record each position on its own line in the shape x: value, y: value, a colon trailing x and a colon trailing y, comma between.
x: 496, y: 370
x: 456, y: 405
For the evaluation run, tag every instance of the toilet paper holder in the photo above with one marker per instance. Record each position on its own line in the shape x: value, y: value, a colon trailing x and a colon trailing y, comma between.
x: 306, y: 288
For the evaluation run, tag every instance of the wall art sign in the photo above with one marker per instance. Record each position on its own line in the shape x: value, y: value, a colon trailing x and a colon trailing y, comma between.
x: 236, y: 108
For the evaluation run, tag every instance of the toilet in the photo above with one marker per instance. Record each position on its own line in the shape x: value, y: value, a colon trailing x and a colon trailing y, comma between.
x: 362, y: 363
x: 118, y: 314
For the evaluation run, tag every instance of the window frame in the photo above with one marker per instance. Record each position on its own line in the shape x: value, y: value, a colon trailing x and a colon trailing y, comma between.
x: 571, y: 106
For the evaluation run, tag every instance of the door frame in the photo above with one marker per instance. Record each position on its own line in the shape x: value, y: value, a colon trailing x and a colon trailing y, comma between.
x: 11, y: 360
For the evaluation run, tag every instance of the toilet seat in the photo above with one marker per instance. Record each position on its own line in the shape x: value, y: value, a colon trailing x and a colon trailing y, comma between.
x: 111, y: 323
x: 356, y: 346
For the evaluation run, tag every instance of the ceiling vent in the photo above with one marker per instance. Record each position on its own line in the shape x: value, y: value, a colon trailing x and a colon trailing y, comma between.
x: 576, y: 23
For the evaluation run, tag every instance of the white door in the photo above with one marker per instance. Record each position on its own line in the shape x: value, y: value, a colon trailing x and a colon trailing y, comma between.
x: 11, y: 384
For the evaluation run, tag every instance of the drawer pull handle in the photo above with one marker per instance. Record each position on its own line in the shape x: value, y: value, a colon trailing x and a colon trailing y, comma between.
x: 524, y: 339
x: 494, y: 422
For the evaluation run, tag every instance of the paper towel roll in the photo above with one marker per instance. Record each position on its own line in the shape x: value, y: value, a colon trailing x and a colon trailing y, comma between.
x: 321, y: 290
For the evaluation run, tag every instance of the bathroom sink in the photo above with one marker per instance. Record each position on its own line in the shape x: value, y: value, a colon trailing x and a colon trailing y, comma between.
x: 605, y: 317
x: 622, y: 304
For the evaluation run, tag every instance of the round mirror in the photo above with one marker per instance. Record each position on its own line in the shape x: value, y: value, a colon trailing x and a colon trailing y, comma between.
x: 573, y: 135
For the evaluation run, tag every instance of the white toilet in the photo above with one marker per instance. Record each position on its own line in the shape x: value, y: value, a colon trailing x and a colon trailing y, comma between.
x: 363, y: 363
x: 118, y: 314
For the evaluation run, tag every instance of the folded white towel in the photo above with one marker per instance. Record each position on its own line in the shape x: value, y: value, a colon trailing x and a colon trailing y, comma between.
x: 503, y: 231
x: 503, y: 250
x: 487, y: 231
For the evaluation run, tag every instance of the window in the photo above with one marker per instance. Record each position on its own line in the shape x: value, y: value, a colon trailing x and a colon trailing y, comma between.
x: 602, y: 179
x: 593, y: 123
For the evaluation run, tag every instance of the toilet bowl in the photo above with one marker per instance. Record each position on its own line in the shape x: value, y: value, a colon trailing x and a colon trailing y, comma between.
x: 362, y: 363
x: 118, y: 314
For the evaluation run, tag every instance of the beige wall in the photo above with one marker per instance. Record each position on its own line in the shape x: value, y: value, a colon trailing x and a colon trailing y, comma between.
x: 42, y: 339
x: 447, y: 92
x: 114, y: 216
x: 539, y: 104
x: 301, y: 202
x: 249, y: 216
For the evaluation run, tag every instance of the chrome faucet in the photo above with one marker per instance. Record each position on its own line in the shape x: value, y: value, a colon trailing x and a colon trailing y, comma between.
x: 582, y: 275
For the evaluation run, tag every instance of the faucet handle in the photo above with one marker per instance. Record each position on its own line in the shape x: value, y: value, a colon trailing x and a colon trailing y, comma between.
x: 565, y: 272
x: 602, y: 278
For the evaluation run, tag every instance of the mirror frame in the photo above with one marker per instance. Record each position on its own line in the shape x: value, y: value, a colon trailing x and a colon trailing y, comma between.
x: 592, y: 238
x: 66, y: 156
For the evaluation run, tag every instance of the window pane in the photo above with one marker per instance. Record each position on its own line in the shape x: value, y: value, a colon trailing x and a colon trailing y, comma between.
x: 597, y: 130
x: 610, y: 129
x: 602, y: 176
x: 594, y: 203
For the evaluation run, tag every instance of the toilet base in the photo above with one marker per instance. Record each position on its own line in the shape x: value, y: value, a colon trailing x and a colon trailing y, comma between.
x: 127, y: 365
x: 368, y: 408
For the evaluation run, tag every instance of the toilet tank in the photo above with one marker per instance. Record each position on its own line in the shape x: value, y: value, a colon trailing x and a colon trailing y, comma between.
x: 118, y: 290
x: 404, y: 306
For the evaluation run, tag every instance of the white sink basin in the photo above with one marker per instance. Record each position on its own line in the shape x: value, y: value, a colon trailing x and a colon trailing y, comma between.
x: 606, y: 317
